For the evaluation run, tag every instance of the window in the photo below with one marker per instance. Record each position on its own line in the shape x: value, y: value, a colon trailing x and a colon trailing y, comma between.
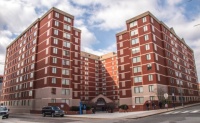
x: 48, y: 24
x: 66, y: 35
x: 150, y: 77
x: 53, y: 70
x: 138, y: 89
x: 151, y: 20
x: 53, y: 100
x: 122, y: 67
x: 76, y: 33
x: 57, y: 15
x: 158, y: 77
x: 56, y: 23
x: 65, y: 91
x: 152, y: 97
x: 121, y: 51
x: 35, y: 33
x: 66, y: 44
x: 135, y: 41
x: 65, y: 62
x: 31, y: 84
x: 55, y: 50
x: 157, y: 57
x: 54, y: 60
x: 53, y: 80
x: 65, y: 72
x: 120, y: 37
x: 53, y: 90
x: 154, y: 37
x: 33, y: 50
x: 146, y: 37
x: 147, y: 47
x: 65, y: 81
x: 65, y: 101
x: 55, y: 32
x: 151, y: 88
x: 145, y: 28
x: 55, y: 41
x: 31, y: 75
x: 136, y: 59
x: 67, y: 19
x: 67, y: 27
x: 137, y: 69
x: 137, y: 79
x: 134, y: 32
x: 155, y: 47
x: 120, y: 44
x: 139, y: 100
x: 149, y: 66
x: 157, y: 66
x: 34, y: 41
x: 144, y: 19
x: 30, y: 93
x: 122, y: 59
x: 148, y: 56
x: 134, y: 23
x: 135, y: 50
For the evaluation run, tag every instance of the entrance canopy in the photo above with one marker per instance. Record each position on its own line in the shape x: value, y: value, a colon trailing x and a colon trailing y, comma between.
x: 101, y: 99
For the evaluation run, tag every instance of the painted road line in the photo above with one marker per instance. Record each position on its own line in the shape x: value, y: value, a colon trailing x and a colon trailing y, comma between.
x: 185, y: 112
x: 195, y: 111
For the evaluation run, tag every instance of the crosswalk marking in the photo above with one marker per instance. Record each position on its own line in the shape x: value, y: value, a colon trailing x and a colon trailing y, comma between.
x: 195, y: 111
x: 168, y: 113
x: 176, y: 112
x: 185, y: 112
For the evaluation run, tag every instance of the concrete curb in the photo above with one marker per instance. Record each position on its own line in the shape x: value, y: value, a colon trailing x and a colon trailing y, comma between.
x: 171, y: 109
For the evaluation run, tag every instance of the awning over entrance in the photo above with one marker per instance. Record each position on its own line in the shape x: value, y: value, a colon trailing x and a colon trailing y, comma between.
x: 107, y: 100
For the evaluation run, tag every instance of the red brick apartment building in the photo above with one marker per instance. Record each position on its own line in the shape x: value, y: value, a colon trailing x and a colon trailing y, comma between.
x: 99, y: 77
x: 44, y: 65
x: 153, y: 59
x: 1, y: 81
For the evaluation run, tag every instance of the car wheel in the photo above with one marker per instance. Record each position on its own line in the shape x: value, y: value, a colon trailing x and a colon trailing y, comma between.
x: 62, y: 115
x: 52, y: 115
x: 43, y: 114
x: 6, y: 116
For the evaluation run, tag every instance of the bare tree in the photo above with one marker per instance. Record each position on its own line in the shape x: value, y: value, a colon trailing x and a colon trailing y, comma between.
x: 159, y: 91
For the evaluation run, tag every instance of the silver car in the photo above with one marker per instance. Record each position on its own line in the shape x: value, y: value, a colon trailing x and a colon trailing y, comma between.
x: 4, y: 111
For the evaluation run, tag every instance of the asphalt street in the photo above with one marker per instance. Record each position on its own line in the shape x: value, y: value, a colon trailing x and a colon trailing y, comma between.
x: 185, y: 115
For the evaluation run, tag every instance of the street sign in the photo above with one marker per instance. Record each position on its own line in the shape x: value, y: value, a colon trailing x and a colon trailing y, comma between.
x: 165, y: 95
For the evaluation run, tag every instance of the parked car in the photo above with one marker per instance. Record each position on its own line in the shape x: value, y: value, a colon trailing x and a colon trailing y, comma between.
x: 4, y: 111
x: 52, y: 111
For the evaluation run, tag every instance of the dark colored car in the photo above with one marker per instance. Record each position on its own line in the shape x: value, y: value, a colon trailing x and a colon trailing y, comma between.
x: 52, y: 111
x: 4, y: 111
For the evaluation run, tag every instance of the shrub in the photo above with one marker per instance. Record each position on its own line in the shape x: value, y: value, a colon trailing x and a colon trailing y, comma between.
x: 124, y: 107
x: 74, y: 108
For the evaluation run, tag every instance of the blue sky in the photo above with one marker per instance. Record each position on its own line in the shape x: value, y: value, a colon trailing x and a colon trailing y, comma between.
x: 100, y: 20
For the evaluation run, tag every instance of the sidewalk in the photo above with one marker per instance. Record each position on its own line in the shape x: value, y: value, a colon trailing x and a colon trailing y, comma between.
x: 128, y: 115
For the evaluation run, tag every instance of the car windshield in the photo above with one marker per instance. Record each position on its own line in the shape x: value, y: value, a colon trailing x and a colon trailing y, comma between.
x: 56, y: 108
x: 3, y: 108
